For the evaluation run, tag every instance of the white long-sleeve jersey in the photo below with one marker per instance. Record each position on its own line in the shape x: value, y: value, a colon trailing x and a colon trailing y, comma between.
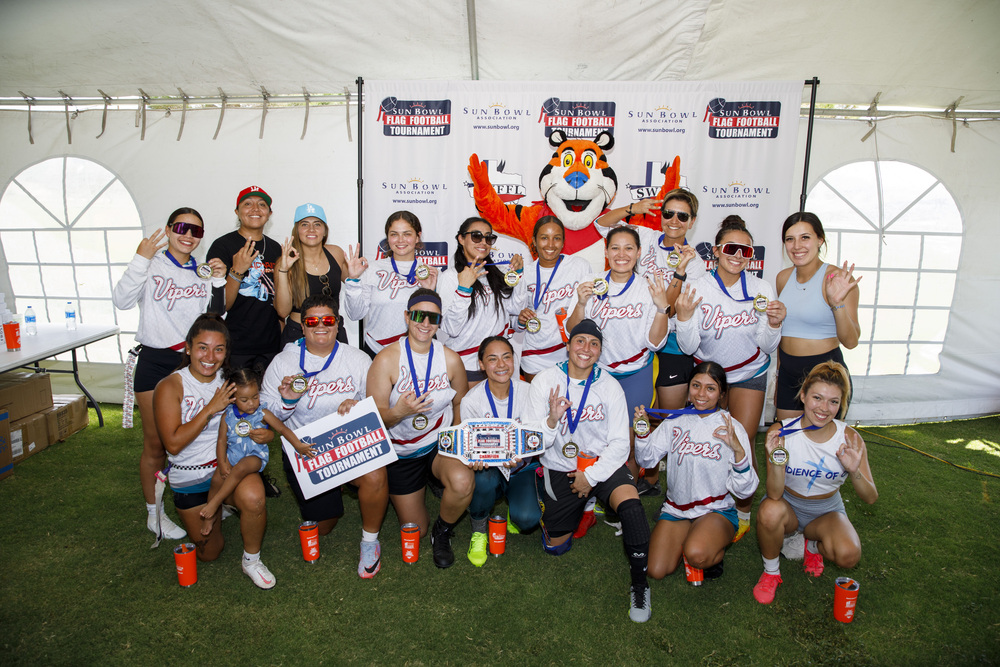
x: 727, y: 331
x: 379, y: 297
x: 701, y: 469
x: 169, y: 297
x: 602, y: 430
x: 625, y: 320
x: 344, y: 379
x: 546, y: 348
x: 464, y: 334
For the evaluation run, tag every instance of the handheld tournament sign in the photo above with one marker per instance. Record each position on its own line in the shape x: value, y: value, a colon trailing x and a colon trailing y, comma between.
x: 346, y: 447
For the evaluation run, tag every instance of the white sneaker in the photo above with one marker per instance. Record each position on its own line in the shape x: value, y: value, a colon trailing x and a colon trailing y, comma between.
x: 640, y: 608
x: 171, y: 530
x: 794, y: 547
x: 227, y: 511
x: 258, y: 573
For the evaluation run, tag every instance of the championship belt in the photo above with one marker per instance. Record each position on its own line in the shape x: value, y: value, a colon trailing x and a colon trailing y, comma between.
x: 490, y: 441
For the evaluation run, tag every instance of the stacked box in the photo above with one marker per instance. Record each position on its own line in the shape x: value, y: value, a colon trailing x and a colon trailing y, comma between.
x: 23, y: 394
x: 67, y: 416
x: 6, y: 460
x: 28, y: 436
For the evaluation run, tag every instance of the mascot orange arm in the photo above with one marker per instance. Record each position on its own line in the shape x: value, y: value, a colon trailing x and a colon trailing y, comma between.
x: 512, y: 220
x: 671, y: 181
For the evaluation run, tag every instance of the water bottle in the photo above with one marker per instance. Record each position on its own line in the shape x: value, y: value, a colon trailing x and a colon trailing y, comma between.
x: 30, y: 322
x: 70, y: 316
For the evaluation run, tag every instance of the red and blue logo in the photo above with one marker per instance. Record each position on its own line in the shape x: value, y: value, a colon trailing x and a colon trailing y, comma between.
x: 742, y: 120
x: 578, y: 120
x: 415, y: 118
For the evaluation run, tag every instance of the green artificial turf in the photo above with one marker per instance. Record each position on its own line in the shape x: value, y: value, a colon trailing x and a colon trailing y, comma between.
x: 80, y: 585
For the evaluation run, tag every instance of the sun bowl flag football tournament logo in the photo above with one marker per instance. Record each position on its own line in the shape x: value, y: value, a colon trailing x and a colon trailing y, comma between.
x: 415, y: 118
x: 742, y: 120
x: 346, y: 447
x: 578, y: 120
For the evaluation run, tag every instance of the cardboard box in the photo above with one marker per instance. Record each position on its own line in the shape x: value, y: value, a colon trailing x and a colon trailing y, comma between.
x: 6, y: 461
x: 28, y: 436
x: 23, y: 394
x: 67, y: 415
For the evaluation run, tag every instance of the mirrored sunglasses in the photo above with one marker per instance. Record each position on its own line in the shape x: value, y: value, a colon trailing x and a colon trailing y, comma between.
x: 182, y: 228
x: 477, y: 237
x: 313, y: 321
x: 737, y: 249
x: 419, y: 316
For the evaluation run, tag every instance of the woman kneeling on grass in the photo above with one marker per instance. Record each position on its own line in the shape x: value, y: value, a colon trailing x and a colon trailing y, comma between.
x: 188, y: 406
x: 809, y: 458
x: 706, y: 455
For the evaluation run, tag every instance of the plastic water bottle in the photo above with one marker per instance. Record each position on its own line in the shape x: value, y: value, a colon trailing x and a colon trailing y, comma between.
x: 70, y: 316
x: 30, y: 322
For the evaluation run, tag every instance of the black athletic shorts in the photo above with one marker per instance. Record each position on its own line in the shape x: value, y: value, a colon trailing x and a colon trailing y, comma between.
x: 153, y: 365
x: 793, y: 370
x: 187, y: 501
x: 408, y: 476
x: 560, y: 516
x: 675, y: 369
x: 327, y: 505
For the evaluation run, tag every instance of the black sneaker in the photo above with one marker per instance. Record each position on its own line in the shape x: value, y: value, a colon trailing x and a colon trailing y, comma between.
x: 713, y: 572
x: 646, y: 489
x: 271, y: 489
x: 441, y: 544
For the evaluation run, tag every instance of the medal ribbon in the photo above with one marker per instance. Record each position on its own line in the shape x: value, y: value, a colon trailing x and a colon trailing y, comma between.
x: 674, y: 414
x: 493, y: 406
x: 302, y: 360
x: 538, y: 281
x: 624, y: 289
x: 411, y: 277
x: 743, y: 284
x: 673, y: 247
x: 570, y: 421
x: 788, y: 430
x: 413, y: 370
x: 190, y: 266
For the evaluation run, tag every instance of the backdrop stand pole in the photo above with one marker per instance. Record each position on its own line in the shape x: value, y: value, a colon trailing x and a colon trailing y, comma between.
x: 814, y: 82
x: 361, y: 189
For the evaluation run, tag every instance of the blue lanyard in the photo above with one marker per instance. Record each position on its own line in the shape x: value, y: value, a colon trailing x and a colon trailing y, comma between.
x: 240, y: 415
x: 302, y: 360
x: 624, y: 289
x: 674, y: 414
x: 743, y: 284
x: 493, y: 406
x: 570, y: 421
x: 673, y: 247
x: 413, y: 370
x: 190, y: 266
x: 788, y: 430
x: 538, y: 281
x: 411, y: 276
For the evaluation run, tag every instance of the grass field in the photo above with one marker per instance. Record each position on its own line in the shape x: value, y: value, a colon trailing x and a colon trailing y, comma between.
x: 79, y: 584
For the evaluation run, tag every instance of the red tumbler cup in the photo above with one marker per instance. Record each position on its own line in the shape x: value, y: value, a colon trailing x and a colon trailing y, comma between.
x: 410, y: 533
x: 695, y: 576
x: 498, y: 534
x: 186, y: 560
x: 845, y: 599
x: 309, y: 539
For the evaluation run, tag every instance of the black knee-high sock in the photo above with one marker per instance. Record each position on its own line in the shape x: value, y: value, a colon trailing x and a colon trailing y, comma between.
x: 635, y: 538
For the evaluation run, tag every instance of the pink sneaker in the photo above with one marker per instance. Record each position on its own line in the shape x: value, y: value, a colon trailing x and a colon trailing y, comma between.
x: 813, y: 563
x: 763, y: 592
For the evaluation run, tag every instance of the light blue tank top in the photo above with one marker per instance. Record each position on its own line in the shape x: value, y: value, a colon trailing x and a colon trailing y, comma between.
x: 807, y: 313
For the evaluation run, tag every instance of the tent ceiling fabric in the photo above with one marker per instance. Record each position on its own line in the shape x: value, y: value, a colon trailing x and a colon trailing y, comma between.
x: 917, y: 53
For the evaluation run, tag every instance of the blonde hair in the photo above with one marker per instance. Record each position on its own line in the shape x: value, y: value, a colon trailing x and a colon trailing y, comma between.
x: 831, y: 373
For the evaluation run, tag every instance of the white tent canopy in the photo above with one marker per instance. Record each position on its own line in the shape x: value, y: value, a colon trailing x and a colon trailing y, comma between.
x: 921, y: 55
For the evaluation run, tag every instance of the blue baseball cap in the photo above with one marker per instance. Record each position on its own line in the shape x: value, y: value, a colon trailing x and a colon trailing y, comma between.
x: 310, y: 210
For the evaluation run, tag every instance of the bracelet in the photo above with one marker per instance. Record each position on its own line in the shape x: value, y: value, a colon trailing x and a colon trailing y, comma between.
x: 236, y: 276
x: 838, y: 307
x: 290, y: 401
x: 629, y: 210
x: 464, y: 290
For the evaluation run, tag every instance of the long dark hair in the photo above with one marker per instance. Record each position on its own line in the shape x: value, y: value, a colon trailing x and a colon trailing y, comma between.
x: 185, y: 210
x: 206, y: 322
x: 298, y: 277
x: 714, y: 371
x: 635, y: 237
x: 494, y: 276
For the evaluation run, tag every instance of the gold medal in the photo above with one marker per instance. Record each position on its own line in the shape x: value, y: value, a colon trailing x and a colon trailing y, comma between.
x: 204, y: 271
x: 533, y: 325
x: 299, y: 384
x: 760, y: 303
x: 641, y: 427
x: 423, y: 272
x: 570, y: 450
x: 243, y: 428
x: 779, y: 456
x: 600, y: 286
x: 673, y: 258
x: 512, y: 278
x: 420, y: 422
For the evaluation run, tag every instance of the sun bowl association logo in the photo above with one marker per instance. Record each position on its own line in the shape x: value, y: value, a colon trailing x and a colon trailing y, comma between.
x: 508, y: 185
x: 737, y: 194
x: 579, y: 120
x: 742, y: 120
x: 497, y: 116
x: 662, y: 119
x: 415, y: 118
x: 653, y: 181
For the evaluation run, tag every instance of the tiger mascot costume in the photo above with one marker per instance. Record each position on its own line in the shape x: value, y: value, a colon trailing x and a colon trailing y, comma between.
x: 577, y: 186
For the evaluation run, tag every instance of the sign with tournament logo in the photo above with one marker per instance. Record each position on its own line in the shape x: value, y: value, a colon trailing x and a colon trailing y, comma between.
x: 346, y: 447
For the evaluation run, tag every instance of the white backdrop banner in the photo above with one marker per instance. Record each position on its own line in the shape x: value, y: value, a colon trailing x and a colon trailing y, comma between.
x: 736, y: 143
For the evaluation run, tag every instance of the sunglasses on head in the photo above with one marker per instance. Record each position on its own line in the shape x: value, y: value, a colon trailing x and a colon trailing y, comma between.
x: 182, y: 228
x: 736, y: 249
x: 477, y: 237
x: 313, y: 321
x: 419, y: 316
x: 681, y: 215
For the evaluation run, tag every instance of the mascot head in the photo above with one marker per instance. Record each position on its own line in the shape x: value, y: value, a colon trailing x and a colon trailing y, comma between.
x: 577, y: 183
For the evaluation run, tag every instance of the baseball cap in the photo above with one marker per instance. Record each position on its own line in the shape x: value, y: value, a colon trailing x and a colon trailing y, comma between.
x: 310, y: 210
x: 253, y: 191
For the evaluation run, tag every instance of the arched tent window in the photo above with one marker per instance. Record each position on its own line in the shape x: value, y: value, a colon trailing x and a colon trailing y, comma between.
x: 68, y: 228
x: 903, y: 230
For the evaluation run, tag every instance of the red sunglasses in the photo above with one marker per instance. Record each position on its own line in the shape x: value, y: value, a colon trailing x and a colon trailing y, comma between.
x: 182, y: 228
x: 313, y: 321
x: 736, y: 249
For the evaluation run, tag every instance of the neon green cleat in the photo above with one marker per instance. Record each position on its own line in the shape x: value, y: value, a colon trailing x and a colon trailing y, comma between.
x: 478, y: 549
x: 512, y: 528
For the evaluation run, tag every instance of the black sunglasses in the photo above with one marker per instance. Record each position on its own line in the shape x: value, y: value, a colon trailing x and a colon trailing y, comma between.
x: 681, y: 215
x: 419, y: 316
x: 182, y: 228
x: 477, y: 237
x: 324, y: 280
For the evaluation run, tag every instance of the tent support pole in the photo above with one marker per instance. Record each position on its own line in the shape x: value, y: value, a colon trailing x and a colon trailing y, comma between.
x: 473, y: 43
x: 814, y: 82
x: 361, y: 186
